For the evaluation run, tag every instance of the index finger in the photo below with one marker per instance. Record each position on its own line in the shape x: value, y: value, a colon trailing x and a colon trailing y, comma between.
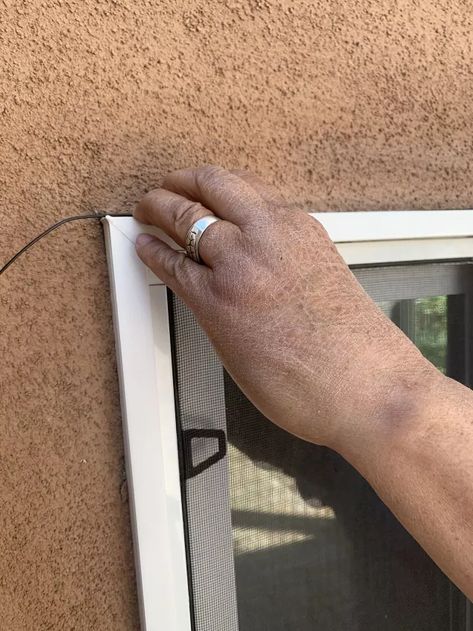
x: 224, y: 193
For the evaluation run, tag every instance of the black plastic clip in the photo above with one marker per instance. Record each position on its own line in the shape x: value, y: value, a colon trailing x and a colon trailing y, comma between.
x: 188, y: 436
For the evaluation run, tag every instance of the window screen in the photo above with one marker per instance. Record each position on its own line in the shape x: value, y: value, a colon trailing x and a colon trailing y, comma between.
x: 283, y: 535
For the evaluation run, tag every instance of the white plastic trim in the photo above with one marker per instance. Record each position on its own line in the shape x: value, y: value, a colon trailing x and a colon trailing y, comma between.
x: 373, y: 237
x: 146, y: 380
x: 397, y: 225
x: 147, y: 398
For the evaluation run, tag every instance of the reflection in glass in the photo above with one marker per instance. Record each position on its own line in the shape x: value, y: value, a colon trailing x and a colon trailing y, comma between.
x: 424, y: 320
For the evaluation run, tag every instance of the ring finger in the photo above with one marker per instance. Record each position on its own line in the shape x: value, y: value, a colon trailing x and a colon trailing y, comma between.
x: 175, y: 215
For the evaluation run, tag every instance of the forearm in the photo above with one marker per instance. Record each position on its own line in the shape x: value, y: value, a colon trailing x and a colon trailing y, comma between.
x: 422, y: 468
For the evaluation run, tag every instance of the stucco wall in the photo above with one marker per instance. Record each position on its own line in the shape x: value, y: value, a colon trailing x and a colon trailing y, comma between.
x: 345, y: 105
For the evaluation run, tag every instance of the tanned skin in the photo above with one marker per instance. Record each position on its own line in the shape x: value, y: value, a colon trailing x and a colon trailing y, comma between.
x: 313, y: 352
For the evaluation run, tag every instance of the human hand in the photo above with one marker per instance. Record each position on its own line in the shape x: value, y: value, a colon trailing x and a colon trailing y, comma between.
x: 289, y: 320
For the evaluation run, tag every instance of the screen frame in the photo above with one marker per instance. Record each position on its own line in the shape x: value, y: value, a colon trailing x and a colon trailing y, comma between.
x: 143, y: 347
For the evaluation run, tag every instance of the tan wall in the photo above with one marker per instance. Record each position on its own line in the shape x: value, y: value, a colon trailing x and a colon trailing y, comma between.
x: 345, y: 105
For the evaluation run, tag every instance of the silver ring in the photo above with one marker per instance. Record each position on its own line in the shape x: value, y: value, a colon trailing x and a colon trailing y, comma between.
x: 194, y: 235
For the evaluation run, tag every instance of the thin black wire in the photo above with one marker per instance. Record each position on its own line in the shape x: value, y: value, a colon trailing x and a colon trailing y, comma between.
x: 53, y: 227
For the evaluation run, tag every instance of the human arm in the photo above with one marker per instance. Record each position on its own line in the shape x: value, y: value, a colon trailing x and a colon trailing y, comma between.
x: 313, y: 352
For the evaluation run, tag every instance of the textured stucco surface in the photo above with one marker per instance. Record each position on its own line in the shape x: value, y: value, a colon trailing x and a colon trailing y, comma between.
x: 344, y: 105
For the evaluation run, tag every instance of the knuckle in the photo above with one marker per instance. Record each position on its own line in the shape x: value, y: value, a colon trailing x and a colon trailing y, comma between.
x: 209, y: 176
x: 149, y: 199
x: 212, y: 235
x: 142, y: 208
x: 175, y: 266
x: 148, y: 253
x: 186, y: 214
x: 241, y: 173
x: 173, y: 175
x: 219, y: 239
x: 184, y: 275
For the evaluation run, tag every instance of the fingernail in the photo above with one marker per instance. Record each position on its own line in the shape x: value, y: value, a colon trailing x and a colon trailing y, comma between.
x: 143, y: 239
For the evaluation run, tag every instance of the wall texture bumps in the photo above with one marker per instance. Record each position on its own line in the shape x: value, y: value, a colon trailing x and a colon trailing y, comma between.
x: 344, y: 105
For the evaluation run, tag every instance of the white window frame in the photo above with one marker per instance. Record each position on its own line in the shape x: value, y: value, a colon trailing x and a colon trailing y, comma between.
x: 141, y: 323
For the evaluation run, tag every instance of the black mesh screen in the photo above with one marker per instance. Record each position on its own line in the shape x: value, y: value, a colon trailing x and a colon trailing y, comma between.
x: 201, y: 413
x: 286, y: 536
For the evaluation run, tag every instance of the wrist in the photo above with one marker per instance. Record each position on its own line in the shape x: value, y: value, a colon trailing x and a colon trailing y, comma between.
x: 396, y: 415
